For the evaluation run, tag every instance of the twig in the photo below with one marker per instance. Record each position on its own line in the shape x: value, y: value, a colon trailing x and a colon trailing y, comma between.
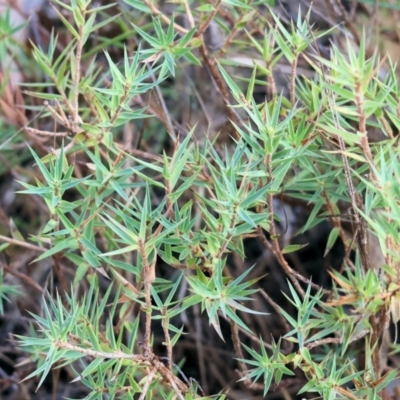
x: 25, y: 278
x: 140, y: 153
x: 178, y: 369
x: 275, y: 244
x: 77, y: 76
x: 362, y: 237
x: 168, y: 122
x: 22, y: 244
x: 46, y: 133
x: 146, y: 386
x: 280, y: 316
x: 58, y: 116
x: 148, y: 279
x: 208, y: 21
x: 237, y: 347
x: 189, y: 13
x: 293, y: 79
x: 175, y: 387
x: 98, y: 353
x: 336, y: 340
x: 249, y: 335
x: 143, y: 361
x: 165, y: 322
x: 271, y: 88
x: 290, y: 270
x: 178, y: 386
x: 221, y: 86
x: 156, y: 11
x: 198, y: 334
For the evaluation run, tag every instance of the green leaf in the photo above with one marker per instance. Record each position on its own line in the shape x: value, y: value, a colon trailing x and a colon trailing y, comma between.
x: 206, y: 8
x: 333, y: 235
x: 232, y: 85
x: 293, y: 247
x: 46, y: 174
x: 93, y: 366
x: 69, y: 243
x: 139, y: 5
x: 66, y: 22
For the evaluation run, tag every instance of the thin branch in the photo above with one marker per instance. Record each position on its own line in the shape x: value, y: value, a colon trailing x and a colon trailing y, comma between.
x: 77, y: 76
x: 23, y: 277
x: 189, y: 13
x: 293, y: 80
x: 165, y: 323
x: 280, y: 316
x: 237, y: 347
x: 46, y: 133
x: 250, y: 335
x: 146, y: 386
x: 148, y: 279
x: 157, y: 12
x: 275, y: 244
x: 22, y: 244
x: 336, y: 340
x: 220, y: 84
x: 100, y: 354
x: 208, y: 21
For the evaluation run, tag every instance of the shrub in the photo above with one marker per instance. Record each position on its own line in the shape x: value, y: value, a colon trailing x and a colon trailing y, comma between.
x: 138, y: 237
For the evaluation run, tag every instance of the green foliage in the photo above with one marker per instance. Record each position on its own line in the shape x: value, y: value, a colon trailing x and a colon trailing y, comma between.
x: 194, y: 206
x: 6, y: 290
